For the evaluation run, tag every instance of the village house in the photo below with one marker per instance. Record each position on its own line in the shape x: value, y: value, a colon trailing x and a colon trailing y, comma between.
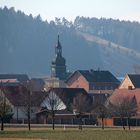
x: 5, y: 103
x: 131, y: 81
x: 19, y: 98
x: 93, y: 81
x: 129, y: 90
x: 13, y: 79
x: 124, y: 95
x: 63, y: 99
x: 20, y: 102
x: 18, y: 92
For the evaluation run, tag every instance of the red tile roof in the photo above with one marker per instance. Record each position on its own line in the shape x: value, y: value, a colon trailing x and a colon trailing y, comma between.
x: 9, y: 81
x: 19, y: 96
x: 125, y: 93
x: 19, y: 77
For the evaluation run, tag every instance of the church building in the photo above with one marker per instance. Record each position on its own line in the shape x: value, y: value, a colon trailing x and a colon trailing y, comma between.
x: 58, y: 66
x: 58, y: 69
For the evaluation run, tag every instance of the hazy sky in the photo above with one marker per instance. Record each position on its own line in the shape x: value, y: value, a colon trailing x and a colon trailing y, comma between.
x: 49, y: 9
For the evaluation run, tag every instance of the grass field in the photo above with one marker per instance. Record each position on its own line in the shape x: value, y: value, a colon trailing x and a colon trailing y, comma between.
x: 71, y: 134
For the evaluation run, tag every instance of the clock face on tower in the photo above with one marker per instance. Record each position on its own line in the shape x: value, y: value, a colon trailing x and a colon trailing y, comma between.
x: 58, y: 51
x: 53, y: 69
x: 53, y: 72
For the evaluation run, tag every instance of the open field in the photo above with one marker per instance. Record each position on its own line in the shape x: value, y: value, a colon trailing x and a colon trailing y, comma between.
x: 69, y: 134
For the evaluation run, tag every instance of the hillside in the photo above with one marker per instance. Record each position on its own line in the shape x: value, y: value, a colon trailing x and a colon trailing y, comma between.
x: 124, y: 33
x: 115, y: 56
x: 27, y: 44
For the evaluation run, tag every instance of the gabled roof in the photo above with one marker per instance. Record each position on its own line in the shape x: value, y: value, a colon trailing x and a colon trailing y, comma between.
x: 9, y: 80
x: 97, y: 76
x: 87, y: 74
x: 126, y: 93
x: 18, y: 77
x: 68, y: 93
x: 135, y: 79
x: 65, y: 97
x: 18, y: 97
x: 22, y: 100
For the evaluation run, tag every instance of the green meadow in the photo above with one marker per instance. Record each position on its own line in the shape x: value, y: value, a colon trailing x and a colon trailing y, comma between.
x: 69, y: 134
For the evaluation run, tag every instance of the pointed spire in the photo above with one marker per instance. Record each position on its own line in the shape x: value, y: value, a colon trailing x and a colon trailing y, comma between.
x: 58, y: 42
x: 58, y: 48
x: 58, y: 68
x: 58, y: 37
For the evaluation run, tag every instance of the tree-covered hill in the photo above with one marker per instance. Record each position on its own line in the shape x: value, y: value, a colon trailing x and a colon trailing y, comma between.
x: 124, y: 33
x: 27, y: 44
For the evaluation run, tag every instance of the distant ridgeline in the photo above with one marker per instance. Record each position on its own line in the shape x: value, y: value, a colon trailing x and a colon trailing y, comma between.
x: 27, y: 44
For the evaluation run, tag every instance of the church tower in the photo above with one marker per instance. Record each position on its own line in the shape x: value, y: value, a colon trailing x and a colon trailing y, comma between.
x: 58, y: 66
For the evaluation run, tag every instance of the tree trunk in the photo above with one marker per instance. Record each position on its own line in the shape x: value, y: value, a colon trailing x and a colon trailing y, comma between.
x: 29, y: 121
x: 53, y: 121
x: 29, y: 108
x: 102, y: 123
x: 80, y: 122
x: 122, y: 123
x: 128, y: 119
x: 2, y: 124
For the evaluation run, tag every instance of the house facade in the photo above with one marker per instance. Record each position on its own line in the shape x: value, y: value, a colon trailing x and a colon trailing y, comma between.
x: 131, y: 81
x: 20, y: 100
x: 13, y: 79
x: 90, y: 80
x: 59, y: 100
x: 19, y: 93
x: 129, y: 89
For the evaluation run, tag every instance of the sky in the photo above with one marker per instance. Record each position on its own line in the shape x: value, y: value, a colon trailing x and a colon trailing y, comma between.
x: 49, y: 9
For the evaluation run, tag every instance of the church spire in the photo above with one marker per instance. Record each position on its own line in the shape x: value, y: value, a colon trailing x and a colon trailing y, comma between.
x: 58, y: 39
x: 58, y: 48
x: 58, y: 67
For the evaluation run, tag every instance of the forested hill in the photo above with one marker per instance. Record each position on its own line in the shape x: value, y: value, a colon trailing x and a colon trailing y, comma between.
x: 27, y: 44
x: 124, y: 33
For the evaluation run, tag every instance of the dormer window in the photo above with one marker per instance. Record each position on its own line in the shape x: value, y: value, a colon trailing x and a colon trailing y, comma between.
x: 130, y: 88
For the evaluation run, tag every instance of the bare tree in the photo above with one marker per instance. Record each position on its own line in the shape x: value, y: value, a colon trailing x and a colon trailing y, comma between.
x: 5, y: 107
x: 102, y: 113
x: 124, y: 107
x: 26, y: 93
x: 53, y: 103
x: 81, y: 105
x: 100, y: 110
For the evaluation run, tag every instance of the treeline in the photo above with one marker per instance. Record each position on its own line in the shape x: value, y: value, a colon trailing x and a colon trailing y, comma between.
x: 27, y: 43
x: 124, y: 33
